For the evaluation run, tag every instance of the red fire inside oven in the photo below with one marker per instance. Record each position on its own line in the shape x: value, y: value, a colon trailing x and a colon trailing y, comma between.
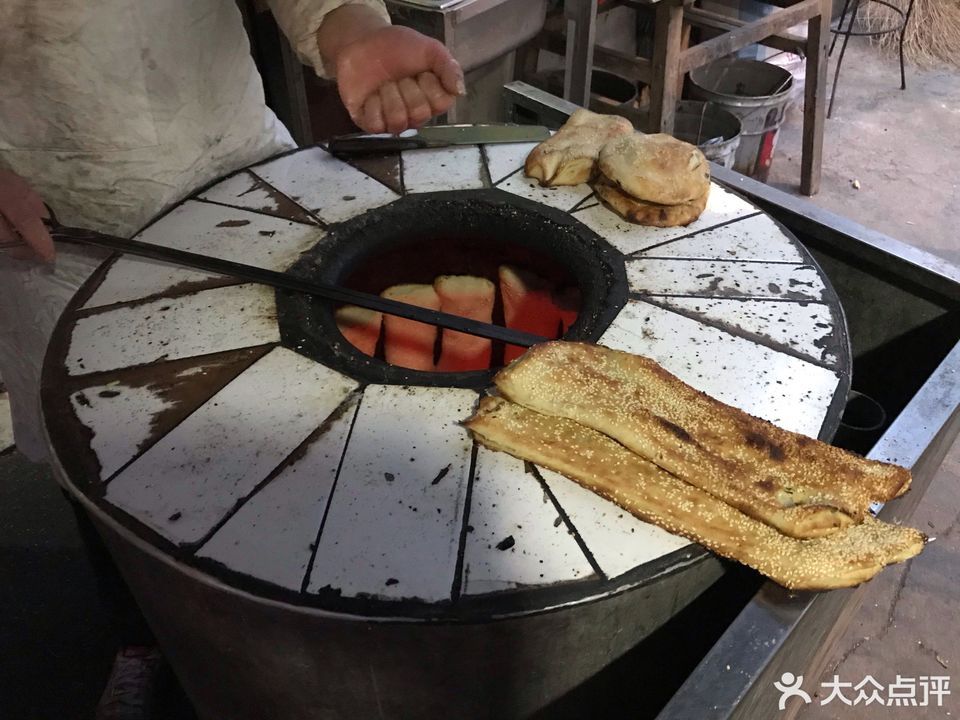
x: 544, y: 304
x: 484, y: 255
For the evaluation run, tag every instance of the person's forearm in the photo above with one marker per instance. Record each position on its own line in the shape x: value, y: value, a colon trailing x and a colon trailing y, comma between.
x: 343, y: 26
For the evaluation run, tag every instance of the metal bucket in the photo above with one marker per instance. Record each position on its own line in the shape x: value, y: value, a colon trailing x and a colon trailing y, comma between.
x: 796, y: 65
x: 602, y: 84
x: 756, y: 92
x: 613, y: 87
x: 862, y: 423
x: 711, y: 128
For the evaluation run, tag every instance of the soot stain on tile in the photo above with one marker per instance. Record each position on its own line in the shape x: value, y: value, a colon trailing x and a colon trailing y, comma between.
x: 440, y: 475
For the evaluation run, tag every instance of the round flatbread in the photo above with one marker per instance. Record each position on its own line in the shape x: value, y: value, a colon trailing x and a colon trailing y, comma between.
x: 656, y: 168
x: 570, y: 156
x: 647, y: 213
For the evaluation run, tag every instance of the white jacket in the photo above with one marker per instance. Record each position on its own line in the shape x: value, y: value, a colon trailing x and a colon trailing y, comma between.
x: 113, y: 110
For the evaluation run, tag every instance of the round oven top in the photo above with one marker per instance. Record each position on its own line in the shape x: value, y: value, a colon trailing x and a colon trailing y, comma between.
x: 231, y: 426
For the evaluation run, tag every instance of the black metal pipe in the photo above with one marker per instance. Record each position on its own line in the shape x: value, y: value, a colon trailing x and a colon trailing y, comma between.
x: 276, y: 279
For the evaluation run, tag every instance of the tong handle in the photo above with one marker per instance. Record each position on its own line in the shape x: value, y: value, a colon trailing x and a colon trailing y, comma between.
x: 363, y: 144
x: 334, y: 293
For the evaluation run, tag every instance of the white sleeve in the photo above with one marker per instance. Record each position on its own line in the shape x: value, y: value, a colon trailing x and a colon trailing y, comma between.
x: 300, y: 19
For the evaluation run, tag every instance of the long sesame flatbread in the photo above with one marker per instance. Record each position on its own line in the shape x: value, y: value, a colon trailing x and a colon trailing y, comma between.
x: 800, y: 486
x: 844, y: 559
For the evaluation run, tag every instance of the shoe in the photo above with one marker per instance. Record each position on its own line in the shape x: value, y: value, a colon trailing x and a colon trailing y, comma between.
x: 131, y: 689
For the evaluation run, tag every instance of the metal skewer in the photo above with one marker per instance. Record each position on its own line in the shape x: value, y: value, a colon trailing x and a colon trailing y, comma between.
x: 275, y: 279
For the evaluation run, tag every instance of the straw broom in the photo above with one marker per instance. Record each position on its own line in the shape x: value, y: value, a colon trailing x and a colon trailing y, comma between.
x: 932, y: 37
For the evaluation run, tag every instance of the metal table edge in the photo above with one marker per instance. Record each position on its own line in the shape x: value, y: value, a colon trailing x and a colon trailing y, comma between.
x: 918, y: 439
x: 847, y: 237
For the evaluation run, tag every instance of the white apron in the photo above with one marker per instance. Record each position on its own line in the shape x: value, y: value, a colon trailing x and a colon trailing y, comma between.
x: 113, y: 110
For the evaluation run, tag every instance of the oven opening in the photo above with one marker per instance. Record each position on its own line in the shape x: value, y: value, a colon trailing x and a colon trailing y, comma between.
x: 486, y: 279
x: 484, y: 254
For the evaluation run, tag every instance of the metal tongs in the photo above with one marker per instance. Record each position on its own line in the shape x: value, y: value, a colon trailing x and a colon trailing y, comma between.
x: 324, y: 291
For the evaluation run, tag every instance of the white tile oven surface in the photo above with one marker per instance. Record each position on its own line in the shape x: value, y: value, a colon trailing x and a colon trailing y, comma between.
x: 292, y: 474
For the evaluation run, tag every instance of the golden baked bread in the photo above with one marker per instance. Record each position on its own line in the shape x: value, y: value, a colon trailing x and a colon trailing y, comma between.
x: 802, y: 487
x: 655, y: 168
x: 408, y: 343
x: 849, y: 557
x: 570, y: 156
x: 646, y: 213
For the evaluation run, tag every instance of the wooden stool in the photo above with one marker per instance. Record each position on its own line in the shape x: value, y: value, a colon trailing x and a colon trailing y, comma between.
x: 670, y: 62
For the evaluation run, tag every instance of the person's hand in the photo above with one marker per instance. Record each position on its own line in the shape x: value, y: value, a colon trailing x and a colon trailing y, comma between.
x: 389, y: 78
x: 395, y: 78
x: 21, y: 219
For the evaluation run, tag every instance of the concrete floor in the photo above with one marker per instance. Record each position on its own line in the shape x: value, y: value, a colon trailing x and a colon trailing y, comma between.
x: 57, y: 644
x: 907, y: 624
x: 901, y: 146
x: 56, y: 637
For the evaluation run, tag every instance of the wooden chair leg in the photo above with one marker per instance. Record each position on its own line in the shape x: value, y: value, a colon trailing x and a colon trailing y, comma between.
x: 667, y: 41
x: 684, y: 44
x: 581, y: 22
x: 527, y: 59
x: 818, y: 32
